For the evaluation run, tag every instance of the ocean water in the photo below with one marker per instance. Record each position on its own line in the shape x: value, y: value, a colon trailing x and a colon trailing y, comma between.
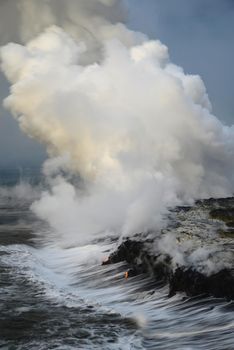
x: 54, y: 296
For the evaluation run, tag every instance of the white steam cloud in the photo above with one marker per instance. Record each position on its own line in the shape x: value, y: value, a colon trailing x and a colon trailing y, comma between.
x: 111, y: 107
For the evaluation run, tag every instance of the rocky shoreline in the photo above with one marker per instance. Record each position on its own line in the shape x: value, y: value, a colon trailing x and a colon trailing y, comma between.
x: 182, y: 279
x: 141, y: 258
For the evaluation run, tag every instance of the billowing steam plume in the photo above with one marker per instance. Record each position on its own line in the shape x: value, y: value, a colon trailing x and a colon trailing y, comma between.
x: 111, y: 107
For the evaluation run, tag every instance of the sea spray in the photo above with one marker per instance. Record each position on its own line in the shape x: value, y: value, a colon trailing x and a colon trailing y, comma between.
x: 115, y: 112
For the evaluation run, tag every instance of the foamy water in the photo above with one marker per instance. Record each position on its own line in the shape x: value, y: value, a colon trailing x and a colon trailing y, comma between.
x: 62, y: 298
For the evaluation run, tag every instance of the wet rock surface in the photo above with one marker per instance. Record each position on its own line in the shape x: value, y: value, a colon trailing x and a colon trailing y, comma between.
x: 143, y: 256
x: 192, y: 282
x: 182, y: 279
x: 223, y: 211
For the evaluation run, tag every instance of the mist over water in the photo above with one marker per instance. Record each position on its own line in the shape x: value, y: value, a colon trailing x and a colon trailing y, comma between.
x: 114, y: 112
x: 60, y: 297
x: 131, y: 139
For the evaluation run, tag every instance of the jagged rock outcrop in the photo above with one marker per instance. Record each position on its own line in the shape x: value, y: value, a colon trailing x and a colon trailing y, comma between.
x: 182, y: 279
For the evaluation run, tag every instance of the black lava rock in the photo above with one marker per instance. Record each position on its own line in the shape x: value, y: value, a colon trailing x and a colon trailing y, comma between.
x: 183, y: 279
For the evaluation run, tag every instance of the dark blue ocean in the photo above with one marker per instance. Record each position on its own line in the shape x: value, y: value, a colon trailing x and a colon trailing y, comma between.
x: 61, y: 297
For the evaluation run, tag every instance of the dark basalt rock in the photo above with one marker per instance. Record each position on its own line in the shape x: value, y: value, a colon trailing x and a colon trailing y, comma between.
x: 127, y: 251
x: 187, y: 280
x: 141, y: 258
x: 221, y: 202
x: 222, y: 284
x: 192, y: 282
x: 136, y: 254
x: 183, y: 279
x: 226, y: 215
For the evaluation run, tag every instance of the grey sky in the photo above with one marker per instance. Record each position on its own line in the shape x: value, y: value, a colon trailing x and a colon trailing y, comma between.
x: 199, y: 34
x: 16, y: 149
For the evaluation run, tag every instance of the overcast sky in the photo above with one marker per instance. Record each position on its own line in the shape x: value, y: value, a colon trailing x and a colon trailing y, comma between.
x: 199, y: 34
